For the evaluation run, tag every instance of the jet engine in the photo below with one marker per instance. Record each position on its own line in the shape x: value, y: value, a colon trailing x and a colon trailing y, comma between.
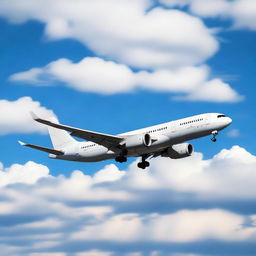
x: 139, y: 140
x: 179, y: 151
x: 147, y: 140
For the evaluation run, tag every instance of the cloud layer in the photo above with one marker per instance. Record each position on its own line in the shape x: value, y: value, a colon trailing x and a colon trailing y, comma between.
x: 167, y: 46
x: 126, y: 31
x: 242, y: 12
x: 108, y: 77
x: 112, y: 211
x: 15, y: 116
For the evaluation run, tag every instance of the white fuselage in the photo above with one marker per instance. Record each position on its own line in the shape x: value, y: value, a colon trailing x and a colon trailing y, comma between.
x: 166, y: 135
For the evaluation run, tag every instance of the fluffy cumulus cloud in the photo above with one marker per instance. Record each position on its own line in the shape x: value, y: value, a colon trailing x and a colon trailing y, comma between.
x: 213, y: 90
x: 202, y: 178
x: 110, y: 213
x: 29, y: 173
x: 15, y: 116
x: 167, y: 46
x: 129, y: 32
x: 242, y: 12
x: 108, y: 77
x: 170, y: 227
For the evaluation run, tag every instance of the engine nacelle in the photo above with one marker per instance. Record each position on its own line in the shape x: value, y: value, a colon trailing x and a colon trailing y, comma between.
x: 179, y: 151
x: 147, y: 140
x: 138, y: 141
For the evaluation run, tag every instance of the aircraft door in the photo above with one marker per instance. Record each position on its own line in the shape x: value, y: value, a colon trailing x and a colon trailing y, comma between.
x: 202, y: 123
x: 207, y: 120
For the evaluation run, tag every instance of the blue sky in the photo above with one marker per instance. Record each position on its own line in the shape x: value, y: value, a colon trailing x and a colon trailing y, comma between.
x: 114, y: 66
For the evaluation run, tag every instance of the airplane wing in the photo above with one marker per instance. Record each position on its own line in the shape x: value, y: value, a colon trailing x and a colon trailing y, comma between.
x: 106, y: 140
x: 48, y: 150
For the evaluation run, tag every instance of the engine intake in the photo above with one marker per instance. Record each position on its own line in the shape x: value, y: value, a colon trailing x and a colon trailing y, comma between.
x: 147, y: 140
x: 139, y: 141
x: 179, y: 151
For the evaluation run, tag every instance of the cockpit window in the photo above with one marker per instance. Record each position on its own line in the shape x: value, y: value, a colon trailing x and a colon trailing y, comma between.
x: 221, y: 116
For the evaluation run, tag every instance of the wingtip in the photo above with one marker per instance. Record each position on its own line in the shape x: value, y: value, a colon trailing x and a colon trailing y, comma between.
x: 34, y: 116
x: 21, y: 143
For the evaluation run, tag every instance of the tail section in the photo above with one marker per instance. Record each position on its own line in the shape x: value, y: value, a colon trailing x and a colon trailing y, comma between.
x: 59, y: 138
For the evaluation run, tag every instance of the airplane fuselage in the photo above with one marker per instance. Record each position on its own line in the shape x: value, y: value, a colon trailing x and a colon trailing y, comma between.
x: 161, y: 137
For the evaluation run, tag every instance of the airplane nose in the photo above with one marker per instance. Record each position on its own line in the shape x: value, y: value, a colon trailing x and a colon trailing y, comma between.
x: 229, y: 120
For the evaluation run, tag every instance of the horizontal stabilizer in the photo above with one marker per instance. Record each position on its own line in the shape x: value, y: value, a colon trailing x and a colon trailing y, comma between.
x: 48, y: 150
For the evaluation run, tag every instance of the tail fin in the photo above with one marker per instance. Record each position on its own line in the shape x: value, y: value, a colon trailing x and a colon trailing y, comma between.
x: 59, y: 138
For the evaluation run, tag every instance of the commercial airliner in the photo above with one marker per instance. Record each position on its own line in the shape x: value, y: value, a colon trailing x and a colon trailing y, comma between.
x: 165, y: 140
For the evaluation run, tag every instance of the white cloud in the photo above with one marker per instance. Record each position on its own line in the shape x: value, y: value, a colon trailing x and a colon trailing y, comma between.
x: 206, y: 178
x: 136, y: 254
x: 242, y: 12
x: 107, y: 77
x: 90, y: 74
x: 29, y: 173
x: 170, y: 42
x: 31, y: 76
x: 170, y: 227
x: 215, y: 90
x: 109, y: 173
x: 15, y: 116
x: 214, y: 8
x: 122, y: 30
x: 81, y: 210
x: 94, y: 253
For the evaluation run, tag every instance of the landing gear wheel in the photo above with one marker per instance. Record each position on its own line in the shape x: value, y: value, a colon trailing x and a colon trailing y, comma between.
x: 147, y: 164
x: 214, y: 139
x: 214, y: 134
x: 143, y: 165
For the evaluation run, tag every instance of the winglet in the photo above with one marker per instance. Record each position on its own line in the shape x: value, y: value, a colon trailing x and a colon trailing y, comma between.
x: 21, y: 143
x: 34, y: 116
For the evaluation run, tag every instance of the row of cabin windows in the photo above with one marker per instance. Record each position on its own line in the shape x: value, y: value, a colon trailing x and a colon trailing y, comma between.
x: 92, y: 145
x: 192, y: 121
x: 159, y: 129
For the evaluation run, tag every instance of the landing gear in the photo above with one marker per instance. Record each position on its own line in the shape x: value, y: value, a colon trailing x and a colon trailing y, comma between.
x: 121, y: 159
x: 143, y: 164
x: 214, y: 133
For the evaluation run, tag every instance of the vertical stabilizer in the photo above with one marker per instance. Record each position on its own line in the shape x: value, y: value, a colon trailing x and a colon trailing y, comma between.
x: 59, y: 138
